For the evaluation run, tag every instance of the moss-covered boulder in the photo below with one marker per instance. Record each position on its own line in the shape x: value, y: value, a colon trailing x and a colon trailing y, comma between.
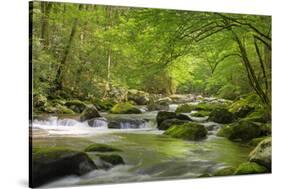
x: 53, y: 162
x: 185, y: 108
x: 103, y: 105
x: 225, y: 171
x: 255, y: 141
x: 164, y: 115
x: 89, y: 112
x: 166, y: 124
x: 250, y: 168
x: 187, y: 131
x: 221, y: 115
x: 124, y: 108
x: 113, y: 159
x: 100, y: 148
x: 262, y: 153
x: 57, y: 109
x: 76, y: 105
x: 39, y: 100
x: 259, y: 115
x: 241, y: 131
x: 139, y: 97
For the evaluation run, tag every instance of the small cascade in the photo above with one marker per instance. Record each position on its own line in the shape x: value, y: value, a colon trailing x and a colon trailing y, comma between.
x: 98, y: 122
x: 127, y: 124
x: 55, y: 121
x: 173, y: 107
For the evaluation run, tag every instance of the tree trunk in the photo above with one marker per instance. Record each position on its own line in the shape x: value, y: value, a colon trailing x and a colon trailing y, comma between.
x: 58, y: 80
x: 45, y: 9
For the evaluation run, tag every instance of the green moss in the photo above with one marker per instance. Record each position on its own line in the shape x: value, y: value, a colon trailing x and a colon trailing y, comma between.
x: 240, y: 131
x: 57, y: 108
x: 113, y: 159
x: 164, y: 115
x: 124, y: 108
x: 76, y: 105
x: 250, y: 168
x: 201, y: 113
x: 89, y: 113
x: 224, y: 171
x: 255, y: 141
x: 103, y: 105
x: 209, y: 106
x: 185, y: 108
x: 50, y: 152
x: 100, y: 148
x: 188, y: 131
x: 260, y: 115
x: 221, y: 115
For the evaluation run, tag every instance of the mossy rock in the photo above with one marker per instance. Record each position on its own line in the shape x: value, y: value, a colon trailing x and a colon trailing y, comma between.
x: 89, y: 112
x: 255, y: 141
x: 166, y: 124
x: 209, y: 106
x: 100, y: 148
x: 262, y: 154
x: 260, y: 115
x: 103, y: 105
x: 185, y: 108
x: 201, y: 113
x: 187, y: 131
x: 240, y: 131
x: 39, y: 100
x: 76, y: 105
x: 113, y: 159
x: 124, y: 108
x: 50, y: 163
x: 164, y: 115
x: 221, y: 115
x: 57, y: 109
x: 250, y: 168
x: 225, y: 171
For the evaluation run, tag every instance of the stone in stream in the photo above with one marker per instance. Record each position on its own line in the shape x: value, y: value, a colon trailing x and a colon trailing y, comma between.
x: 100, y: 148
x: 89, y: 112
x: 262, y: 153
x: 113, y: 159
x: 166, y: 124
x: 250, y: 168
x: 125, y: 108
x: 225, y: 171
x: 50, y: 163
x: 126, y: 123
x: 221, y: 115
x: 97, y: 122
x: 241, y: 131
x: 187, y: 131
x: 164, y: 116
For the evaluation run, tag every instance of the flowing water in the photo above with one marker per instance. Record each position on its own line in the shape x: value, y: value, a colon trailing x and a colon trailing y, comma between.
x: 148, y: 154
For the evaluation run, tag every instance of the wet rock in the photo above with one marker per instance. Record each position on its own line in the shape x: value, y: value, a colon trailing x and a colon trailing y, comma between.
x: 187, y: 131
x: 97, y: 122
x: 262, y: 153
x: 76, y: 105
x: 244, y: 111
x: 125, y: 108
x: 225, y: 171
x: 250, y: 168
x: 185, y: 108
x: 139, y: 97
x: 53, y: 162
x: 126, y: 123
x: 164, y: 115
x: 241, y: 131
x: 221, y: 115
x: 166, y: 124
x: 100, y: 148
x: 113, y: 159
x: 89, y: 112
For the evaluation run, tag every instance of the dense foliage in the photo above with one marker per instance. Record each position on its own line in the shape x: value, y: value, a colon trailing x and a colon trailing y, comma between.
x: 82, y: 51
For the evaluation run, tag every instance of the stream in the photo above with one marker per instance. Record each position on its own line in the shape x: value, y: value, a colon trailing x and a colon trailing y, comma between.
x: 148, y: 154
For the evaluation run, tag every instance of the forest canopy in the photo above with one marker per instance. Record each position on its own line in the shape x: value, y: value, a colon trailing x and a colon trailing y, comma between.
x: 93, y: 50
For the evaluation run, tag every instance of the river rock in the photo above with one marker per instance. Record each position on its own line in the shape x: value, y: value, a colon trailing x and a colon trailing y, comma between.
x: 125, y: 108
x: 243, y: 111
x: 89, y: 112
x: 97, y: 122
x: 126, y: 123
x: 225, y: 171
x: 139, y: 97
x: 76, y: 105
x: 100, y: 148
x: 187, y: 131
x: 52, y: 163
x: 262, y: 153
x: 250, y: 168
x: 241, y: 131
x: 166, y: 124
x: 221, y: 115
x: 164, y: 115
x: 113, y: 159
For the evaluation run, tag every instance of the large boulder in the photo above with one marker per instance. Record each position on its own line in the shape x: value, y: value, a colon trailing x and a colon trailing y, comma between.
x: 243, y: 111
x: 76, y: 105
x: 125, y: 108
x: 221, y: 115
x: 262, y: 153
x: 139, y: 97
x: 89, y: 112
x: 241, y: 131
x: 53, y: 162
x: 126, y: 123
x: 185, y: 108
x: 112, y: 159
x: 187, y: 131
x: 104, y: 104
x: 250, y: 168
x: 100, y: 148
x: 164, y: 115
x: 166, y: 124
